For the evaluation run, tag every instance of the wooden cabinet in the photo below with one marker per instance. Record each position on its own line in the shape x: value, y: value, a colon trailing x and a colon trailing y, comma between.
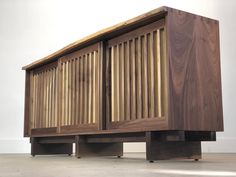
x: 155, y: 78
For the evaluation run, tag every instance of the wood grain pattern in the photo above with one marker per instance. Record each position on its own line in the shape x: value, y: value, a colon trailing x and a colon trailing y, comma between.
x: 194, y: 72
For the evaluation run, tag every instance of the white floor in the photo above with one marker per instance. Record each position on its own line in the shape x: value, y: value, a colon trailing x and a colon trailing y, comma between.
x: 132, y: 164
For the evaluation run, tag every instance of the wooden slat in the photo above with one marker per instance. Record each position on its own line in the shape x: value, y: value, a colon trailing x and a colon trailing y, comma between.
x: 41, y: 101
x: 38, y: 100
x: 117, y: 73
x: 113, y: 85
x: 45, y: 118
x: 144, y: 77
x: 44, y: 99
x: 108, y: 82
x: 138, y: 78
x: 97, y: 91
x: 85, y: 89
x: 58, y: 93
x: 34, y: 102
x: 66, y: 92
x: 53, y: 97
x: 54, y: 89
x: 49, y: 97
x: 89, y: 87
x: 150, y: 75
x: 63, y: 82
x: 133, y: 80
x: 121, y: 82
x: 157, y: 70
x: 101, y: 57
x: 77, y: 92
x: 69, y: 91
x: 73, y: 92
x: 163, y: 65
x: 81, y: 115
x: 94, y: 87
x: 127, y: 80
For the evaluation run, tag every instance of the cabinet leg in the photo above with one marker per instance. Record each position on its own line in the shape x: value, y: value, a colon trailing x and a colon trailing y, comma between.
x: 48, y: 149
x: 84, y: 149
x: 161, y: 150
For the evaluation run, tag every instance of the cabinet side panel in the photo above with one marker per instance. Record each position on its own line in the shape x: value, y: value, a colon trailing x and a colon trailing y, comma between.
x: 194, y: 72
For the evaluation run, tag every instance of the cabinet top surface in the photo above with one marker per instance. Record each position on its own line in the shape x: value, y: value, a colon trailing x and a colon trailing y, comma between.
x: 104, y: 34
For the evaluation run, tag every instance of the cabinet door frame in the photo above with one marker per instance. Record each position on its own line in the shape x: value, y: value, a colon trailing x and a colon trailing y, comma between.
x: 143, y: 123
x: 98, y: 90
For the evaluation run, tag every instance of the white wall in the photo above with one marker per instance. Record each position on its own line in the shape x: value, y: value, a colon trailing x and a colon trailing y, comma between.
x: 31, y: 29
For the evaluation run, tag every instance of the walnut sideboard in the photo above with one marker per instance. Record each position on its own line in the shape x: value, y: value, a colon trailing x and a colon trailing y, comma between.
x: 155, y: 79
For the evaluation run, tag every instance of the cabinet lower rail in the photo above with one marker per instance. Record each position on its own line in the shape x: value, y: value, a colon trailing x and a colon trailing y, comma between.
x: 160, y: 145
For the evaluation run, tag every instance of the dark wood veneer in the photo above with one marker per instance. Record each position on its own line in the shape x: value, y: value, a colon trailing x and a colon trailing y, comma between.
x: 194, y: 72
x: 155, y: 79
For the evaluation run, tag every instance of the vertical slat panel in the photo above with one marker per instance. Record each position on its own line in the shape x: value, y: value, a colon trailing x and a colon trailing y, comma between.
x: 77, y: 92
x: 133, y: 80
x: 45, y: 118
x: 97, y: 91
x: 127, y: 80
x: 81, y: 90
x: 113, y: 84
x: 69, y: 91
x: 150, y: 75
x: 39, y: 100
x: 53, y: 92
x: 163, y: 92
x: 63, y: 94
x: 92, y: 106
x: 57, y: 90
x: 49, y: 98
x: 144, y: 77
x: 43, y: 100
x: 94, y: 87
x: 121, y: 81
x: 138, y: 80
x: 157, y: 69
x: 85, y: 89
x: 35, y: 100
x: 89, y: 88
x: 117, y: 73
x: 73, y: 92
